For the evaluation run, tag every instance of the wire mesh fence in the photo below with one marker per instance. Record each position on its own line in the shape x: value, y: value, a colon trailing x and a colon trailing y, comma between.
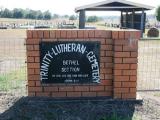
x: 13, y: 72
x: 12, y: 66
x: 149, y: 65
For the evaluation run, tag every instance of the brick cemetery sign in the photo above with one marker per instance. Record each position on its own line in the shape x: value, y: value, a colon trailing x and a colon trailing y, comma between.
x: 82, y: 63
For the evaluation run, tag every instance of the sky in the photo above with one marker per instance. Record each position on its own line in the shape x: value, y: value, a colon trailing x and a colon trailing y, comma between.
x: 64, y: 6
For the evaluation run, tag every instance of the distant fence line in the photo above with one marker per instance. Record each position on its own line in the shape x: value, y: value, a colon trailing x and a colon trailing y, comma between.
x: 51, y: 23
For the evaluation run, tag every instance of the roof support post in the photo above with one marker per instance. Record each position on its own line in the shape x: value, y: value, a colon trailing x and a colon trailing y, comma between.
x: 132, y: 24
x: 82, y: 19
x: 142, y: 22
x: 121, y: 19
x: 126, y: 19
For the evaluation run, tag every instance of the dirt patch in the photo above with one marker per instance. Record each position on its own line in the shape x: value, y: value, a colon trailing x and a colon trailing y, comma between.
x: 24, y: 108
x: 150, y: 110
x: 7, y: 101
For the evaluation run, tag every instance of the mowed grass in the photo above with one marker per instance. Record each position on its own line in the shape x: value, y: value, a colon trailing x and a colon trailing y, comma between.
x: 157, y: 94
x: 13, y: 80
x: 12, y: 60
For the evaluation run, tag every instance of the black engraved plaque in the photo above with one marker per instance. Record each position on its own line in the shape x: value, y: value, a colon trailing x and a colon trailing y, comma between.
x: 70, y: 62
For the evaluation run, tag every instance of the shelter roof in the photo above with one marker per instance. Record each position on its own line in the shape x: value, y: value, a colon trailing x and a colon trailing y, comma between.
x: 114, y: 5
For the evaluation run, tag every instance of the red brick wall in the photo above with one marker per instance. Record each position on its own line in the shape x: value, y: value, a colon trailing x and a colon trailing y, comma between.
x: 118, y: 64
x: 125, y: 64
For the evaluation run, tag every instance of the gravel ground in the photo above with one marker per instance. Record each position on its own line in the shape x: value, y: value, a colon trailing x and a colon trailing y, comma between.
x: 150, y: 110
x: 25, y: 108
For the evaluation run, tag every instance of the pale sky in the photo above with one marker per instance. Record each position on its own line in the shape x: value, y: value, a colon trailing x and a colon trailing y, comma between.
x: 64, y: 6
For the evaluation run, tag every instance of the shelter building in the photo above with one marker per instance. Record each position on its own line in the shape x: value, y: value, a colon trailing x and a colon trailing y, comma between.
x: 132, y: 14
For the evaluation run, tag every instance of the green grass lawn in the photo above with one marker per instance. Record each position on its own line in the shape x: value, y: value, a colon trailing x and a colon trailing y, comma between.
x: 157, y: 94
x: 13, y: 80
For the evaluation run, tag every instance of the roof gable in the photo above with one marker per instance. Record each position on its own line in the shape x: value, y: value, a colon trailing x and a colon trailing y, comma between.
x: 114, y: 5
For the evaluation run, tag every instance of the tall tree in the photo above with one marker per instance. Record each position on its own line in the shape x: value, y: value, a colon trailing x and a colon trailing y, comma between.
x: 72, y: 17
x: 39, y: 15
x: 27, y: 13
x: 1, y: 11
x: 18, y: 13
x: 30, y: 14
x: 47, y: 15
x: 6, y: 13
x: 66, y: 16
x: 158, y: 13
x: 92, y: 19
x: 55, y: 16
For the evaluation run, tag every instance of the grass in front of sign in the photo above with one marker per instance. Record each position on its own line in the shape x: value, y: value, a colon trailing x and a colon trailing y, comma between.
x: 157, y: 94
x: 116, y: 117
x: 13, y: 80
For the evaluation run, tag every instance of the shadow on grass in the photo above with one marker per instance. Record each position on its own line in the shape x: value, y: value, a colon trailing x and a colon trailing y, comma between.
x: 27, y: 108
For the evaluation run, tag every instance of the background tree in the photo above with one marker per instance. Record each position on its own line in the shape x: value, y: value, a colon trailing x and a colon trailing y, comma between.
x: 92, y: 19
x: 18, y: 13
x: 65, y: 16
x: 72, y: 17
x: 26, y: 13
x: 30, y: 14
x: 55, y: 16
x: 39, y: 15
x: 6, y: 13
x: 47, y: 15
x: 158, y: 13
x: 1, y: 11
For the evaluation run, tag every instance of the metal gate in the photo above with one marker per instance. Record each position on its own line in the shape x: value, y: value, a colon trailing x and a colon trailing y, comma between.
x: 149, y: 65
x: 12, y: 65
